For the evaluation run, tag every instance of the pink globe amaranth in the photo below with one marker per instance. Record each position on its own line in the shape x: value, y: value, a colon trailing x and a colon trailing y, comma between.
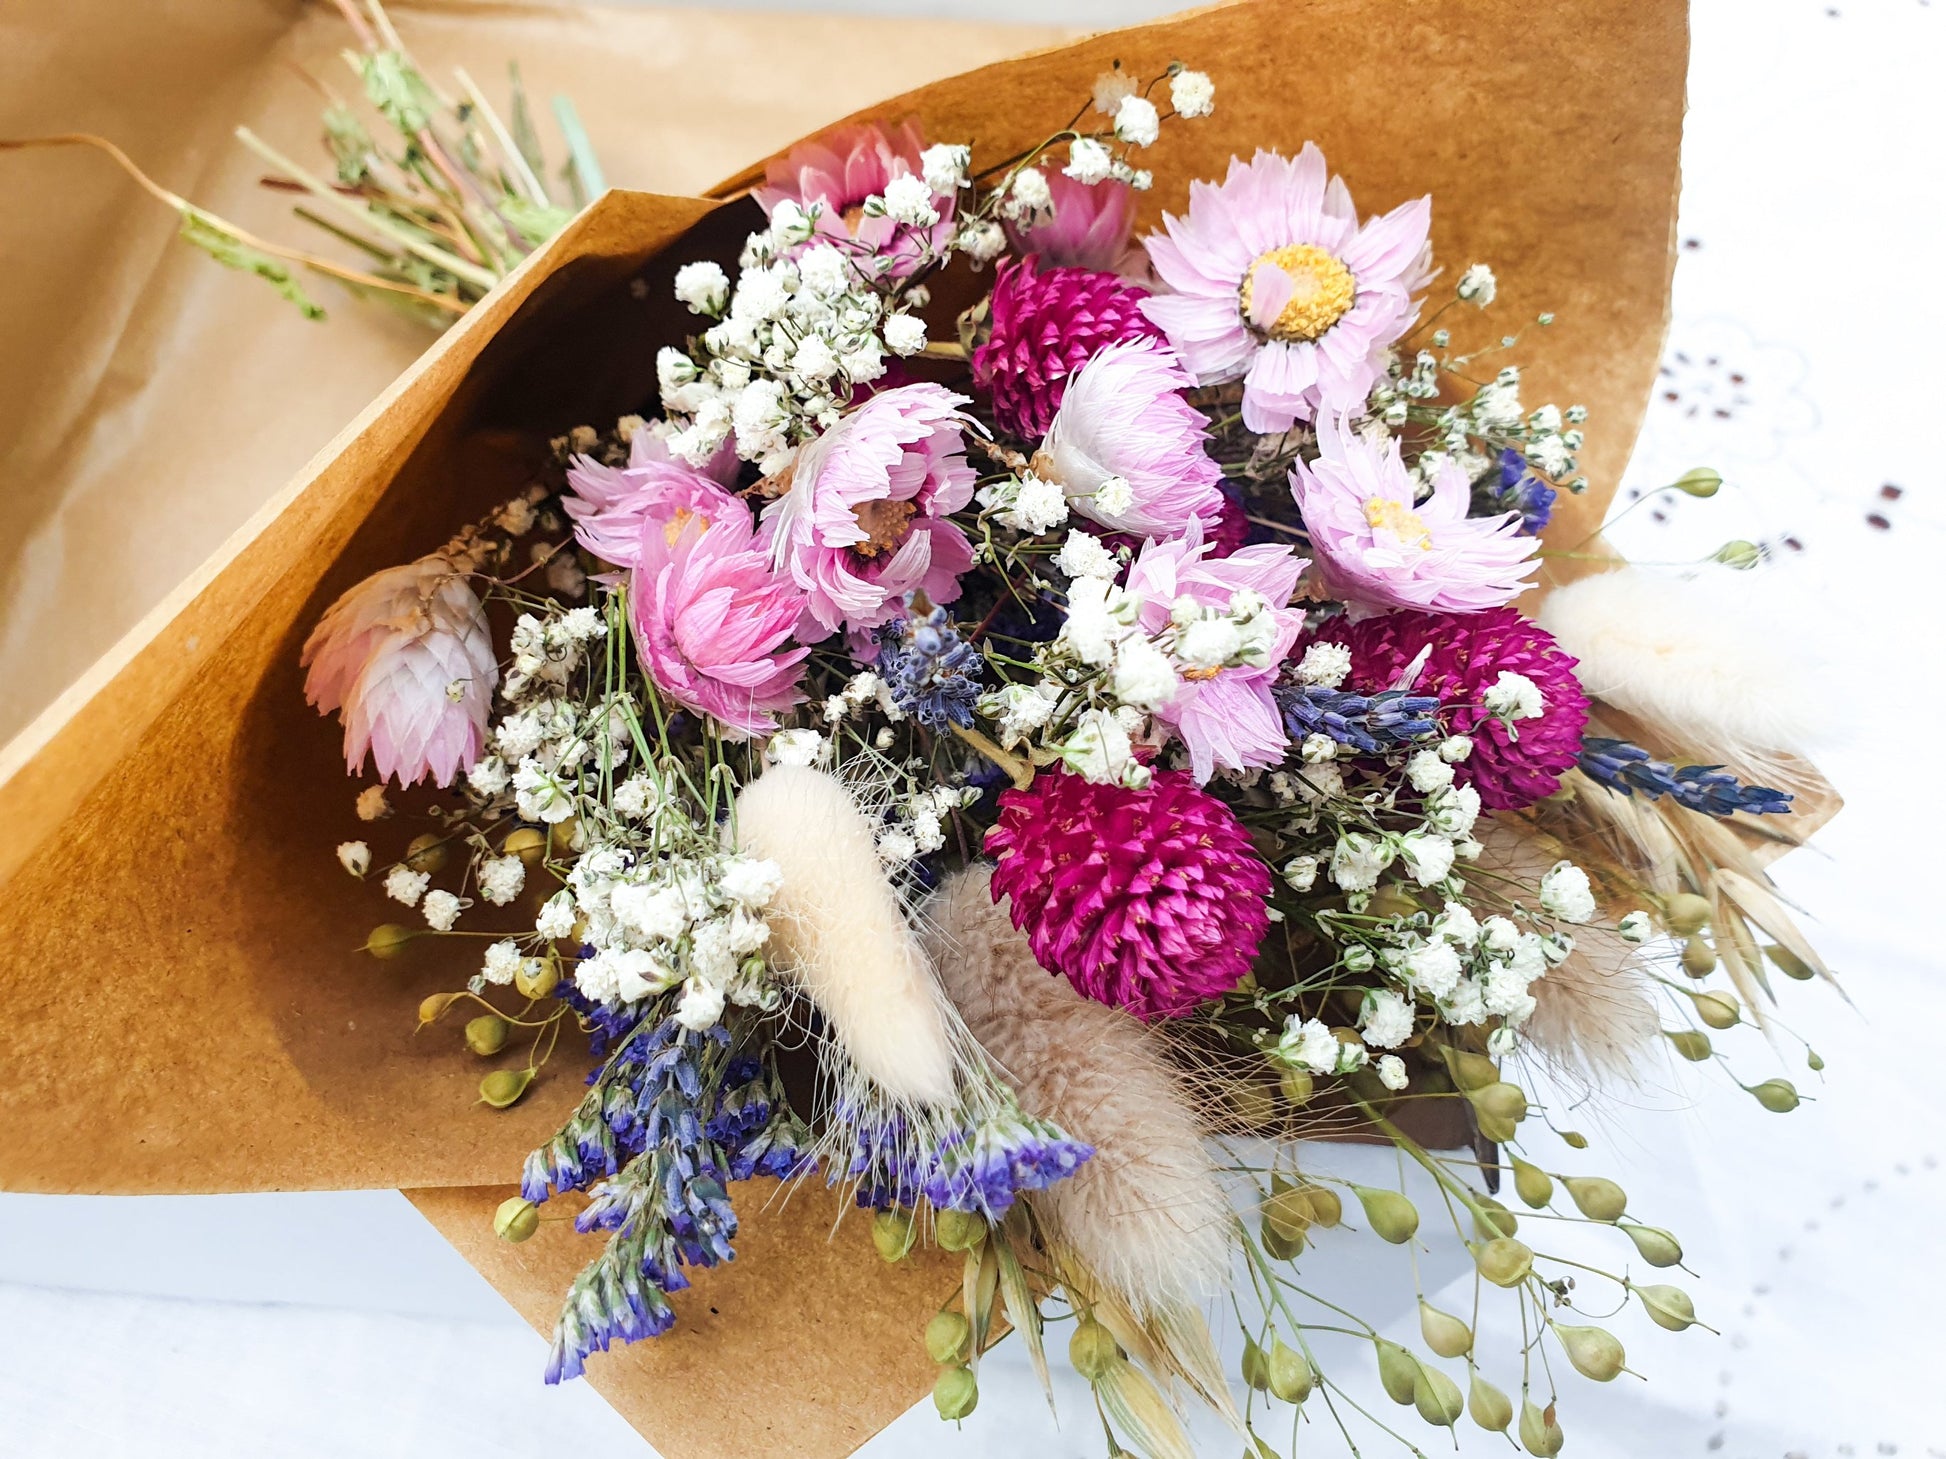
x: 406, y: 658
x: 714, y: 624
x: 1469, y: 652
x: 843, y: 167
x: 1150, y: 900
x: 1046, y: 324
x: 1089, y: 228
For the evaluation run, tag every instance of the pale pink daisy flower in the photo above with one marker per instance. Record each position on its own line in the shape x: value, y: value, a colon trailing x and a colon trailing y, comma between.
x: 1378, y: 549
x: 865, y: 520
x: 609, y: 504
x: 1127, y: 448
x: 1089, y: 228
x: 1228, y: 718
x: 1272, y: 279
x: 406, y: 659
x: 841, y: 169
x: 714, y: 624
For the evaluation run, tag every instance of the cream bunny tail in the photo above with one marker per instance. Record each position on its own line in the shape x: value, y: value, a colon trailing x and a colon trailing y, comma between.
x: 1146, y: 1215
x: 838, y: 931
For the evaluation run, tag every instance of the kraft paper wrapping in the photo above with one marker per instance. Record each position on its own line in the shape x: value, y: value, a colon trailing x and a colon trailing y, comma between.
x: 186, y: 1011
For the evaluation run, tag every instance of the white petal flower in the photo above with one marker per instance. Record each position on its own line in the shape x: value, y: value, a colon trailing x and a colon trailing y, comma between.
x: 1391, y: 1071
x: 1566, y: 894
x: 944, y: 165
x: 441, y: 910
x: 1136, y: 121
x: 1477, y: 285
x: 1434, y: 968
x: 1636, y: 927
x: 1029, y: 193
x: 1428, y: 770
x: 1357, y: 860
x: 703, y: 286
x: 700, y: 1006
x: 908, y: 200
x: 1143, y: 675
x: 824, y: 271
x: 1083, y: 556
x: 1386, y: 1020
x: 557, y: 916
x: 1088, y: 161
x: 403, y: 884
x: 1325, y: 664
x: 905, y: 334
x: 1310, y: 1045
x: 797, y: 747
x: 503, y: 960
x: 355, y: 857
x: 1192, y: 94
x: 501, y: 878
x: 1455, y: 748
x: 1301, y: 873
x: 1209, y: 643
x: 1514, y: 696
x: 372, y: 804
x: 750, y: 881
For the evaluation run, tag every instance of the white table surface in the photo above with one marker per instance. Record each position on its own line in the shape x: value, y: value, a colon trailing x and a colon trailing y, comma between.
x: 1814, y: 206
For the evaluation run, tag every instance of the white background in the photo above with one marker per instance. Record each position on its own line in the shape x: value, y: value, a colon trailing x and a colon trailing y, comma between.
x: 1812, y: 212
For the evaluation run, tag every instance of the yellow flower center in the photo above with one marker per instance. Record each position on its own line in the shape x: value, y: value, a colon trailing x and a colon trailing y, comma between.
x: 672, y: 529
x: 1385, y: 515
x: 1322, y: 290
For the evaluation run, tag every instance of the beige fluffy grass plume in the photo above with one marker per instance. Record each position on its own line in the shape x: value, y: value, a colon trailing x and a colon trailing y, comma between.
x: 1593, y: 1015
x: 838, y: 931
x: 1146, y: 1214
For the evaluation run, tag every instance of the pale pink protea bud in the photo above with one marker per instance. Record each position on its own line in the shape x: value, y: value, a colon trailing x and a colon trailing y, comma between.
x: 406, y: 659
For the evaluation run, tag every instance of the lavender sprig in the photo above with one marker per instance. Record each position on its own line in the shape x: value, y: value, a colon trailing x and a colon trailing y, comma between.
x: 1707, y: 789
x: 1369, y: 723
x: 933, y: 674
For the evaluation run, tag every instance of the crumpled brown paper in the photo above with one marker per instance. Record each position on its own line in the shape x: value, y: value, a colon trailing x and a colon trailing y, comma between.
x: 186, y: 1009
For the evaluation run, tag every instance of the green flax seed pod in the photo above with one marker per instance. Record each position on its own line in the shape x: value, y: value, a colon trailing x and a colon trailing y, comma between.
x: 1392, y: 900
x: 504, y: 1087
x: 1656, y: 1246
x: 1596, y: 1197
x: 388, y: 940
x: 1595, y: 1351
x: 1254, y: 1104
x: 1814, y: 1061
x: 1779, y: 1096
x: 1437, y: 1398
x: 1574, y: 1139
x: 1533, y: 1185
x: 536, y: 977
x: 1444, y: 1333
x: 1739, y: 555
x: 1470, y: 1071
x: 1491, y: 1409
x: 1289, y: 1373
x: 1504, y: 1262
x: 1389, y: 1213
x: 516, y: 1219
x: 1718, y: 1010
x: 892, y: 1233
x: 955, y: 1393
x: 1667, y: 1306
x: 1789, y: 963
x: 526, y: 842
x: 426, y: 853
x: 1698, y: 957
x: 433, y: 1007
x: 487, y: 1034
x: 1398, y: 1371
x: 1501, y: 1100
x: 1686, y: 914
x: 949, y: 1337
x: 1693, y: 1044
x: 1280, y: 1246
x: 958, y: 1230
x: 1326, y: 1208
x: 1493, y: 1219
x: 1092, y: 1349
x: 1255, y: 1367
x: 1539, y: 1434
x: 1288, y: 1212
x: 1297, y: 1085
x: 1699, y: 481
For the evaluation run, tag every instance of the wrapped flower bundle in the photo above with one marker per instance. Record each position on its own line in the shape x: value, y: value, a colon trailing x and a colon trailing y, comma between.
x: 1011, y: 697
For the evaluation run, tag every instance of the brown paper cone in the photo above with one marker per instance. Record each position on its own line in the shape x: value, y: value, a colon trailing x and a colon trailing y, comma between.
x: 187, y: 1011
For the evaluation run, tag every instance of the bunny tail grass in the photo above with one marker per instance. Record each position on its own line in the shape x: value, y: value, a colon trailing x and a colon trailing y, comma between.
x: 1146, y: 1215
x: 838, y: 931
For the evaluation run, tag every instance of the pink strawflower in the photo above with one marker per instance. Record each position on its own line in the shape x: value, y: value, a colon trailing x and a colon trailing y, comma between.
x: 1128, y: 449
x: 865, y: 520
x: 609, y: 504
x: 1089, y: 228
x: 1272, y: 280
x: 1228, y: 719
x: 1045, y: 325
x: 841, y: 169
x: 714, y: 624
x: 406, y: 659
x: 1150, y: 900
x: 1377, y: 550
x: 1468, y: 656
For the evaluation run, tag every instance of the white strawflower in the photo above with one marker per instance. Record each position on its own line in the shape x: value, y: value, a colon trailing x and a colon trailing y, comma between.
x: 1143, y: 675
x: 944, y: 165
x: 905, y: 334
x: 1391, y: 1071
x: 908, y: 200
x: 1083, y: 556
x: 1514, y: 696
x: 1209, y: 643
x: 372, y: 804
x: 1428, y: 770
x: 403, y: 884
x: 1455, y: 748
x: 441, y: 910
x: 750, y: 881
x: 1635, y: 927
x: 1565, y: 893
x: 355, y: 857
x: 1478, y: 286
x: 1387, y: 1019
x: 501, y: 878
x: 797, y: 747
x: 1434, y: 968
x: 503, y: 960
x: 1136, y: 121
x: 1192, y: 94
x: 703, y: 286
x: 1301, y: 873
x: 1325, y: 664
x: 1088, y: 161
x: 700, y: 1006
x: 1310, y: 1045
x: 556, y: 917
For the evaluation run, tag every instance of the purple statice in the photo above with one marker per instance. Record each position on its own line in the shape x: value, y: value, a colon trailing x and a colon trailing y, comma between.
x: 1515, y: 487
x: 980, y: 1167
x: 1708, y: 789
x: 1370, y: 723
x: 932, y: 673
